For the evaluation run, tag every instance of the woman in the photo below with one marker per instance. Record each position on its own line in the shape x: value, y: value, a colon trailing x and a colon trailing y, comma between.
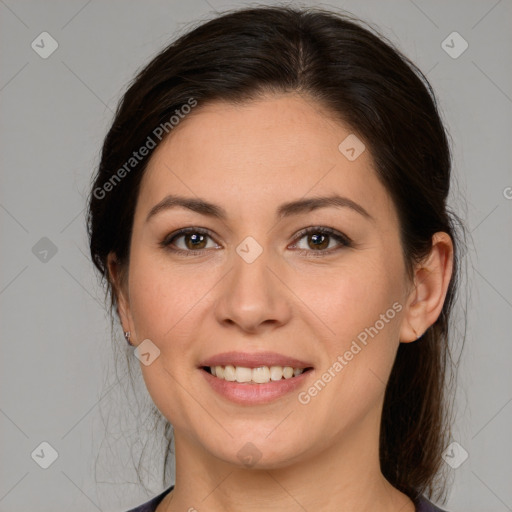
x: 270, y: 217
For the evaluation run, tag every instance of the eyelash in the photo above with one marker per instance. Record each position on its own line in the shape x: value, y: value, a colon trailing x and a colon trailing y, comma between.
x: 343, y: 240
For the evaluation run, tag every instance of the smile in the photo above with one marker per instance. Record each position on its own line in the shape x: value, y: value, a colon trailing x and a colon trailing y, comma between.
x: 259, y: 375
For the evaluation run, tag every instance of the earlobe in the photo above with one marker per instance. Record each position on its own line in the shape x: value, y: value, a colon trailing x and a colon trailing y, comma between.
x: 431, y: 281
x: 118, y: 288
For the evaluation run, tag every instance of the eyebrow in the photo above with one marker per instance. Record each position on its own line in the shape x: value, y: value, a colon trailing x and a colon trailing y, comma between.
x: 208, y: 209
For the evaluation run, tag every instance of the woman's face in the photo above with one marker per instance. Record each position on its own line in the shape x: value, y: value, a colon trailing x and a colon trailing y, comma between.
x: 252, y: 283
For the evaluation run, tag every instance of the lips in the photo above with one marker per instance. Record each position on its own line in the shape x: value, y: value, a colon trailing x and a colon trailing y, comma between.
x: 252, y: 394
x: 254, y: 360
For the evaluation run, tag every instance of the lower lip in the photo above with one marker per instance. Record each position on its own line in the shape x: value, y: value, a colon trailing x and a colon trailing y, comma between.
x: 253, y: 394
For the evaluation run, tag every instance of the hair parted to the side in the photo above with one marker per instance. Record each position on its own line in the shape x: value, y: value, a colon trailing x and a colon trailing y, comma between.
x: 357, y: 75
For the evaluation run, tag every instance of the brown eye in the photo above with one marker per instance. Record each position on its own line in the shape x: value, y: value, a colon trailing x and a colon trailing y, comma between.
x: 318, y: 241
x: 189, y: 240
x: 195, y: 241
x: 321, y: 240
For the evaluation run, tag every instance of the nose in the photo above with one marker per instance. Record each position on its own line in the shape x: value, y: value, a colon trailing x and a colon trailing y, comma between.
x: 252, y: 297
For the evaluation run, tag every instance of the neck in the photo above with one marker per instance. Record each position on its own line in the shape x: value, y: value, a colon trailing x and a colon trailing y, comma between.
x: 345, y: 476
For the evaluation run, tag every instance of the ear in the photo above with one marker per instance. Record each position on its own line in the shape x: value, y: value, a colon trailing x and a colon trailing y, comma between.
x: 431, y: 279
x: 120, y: 289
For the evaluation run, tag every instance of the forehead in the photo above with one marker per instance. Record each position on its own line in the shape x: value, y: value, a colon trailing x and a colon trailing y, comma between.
x: 269, y: 150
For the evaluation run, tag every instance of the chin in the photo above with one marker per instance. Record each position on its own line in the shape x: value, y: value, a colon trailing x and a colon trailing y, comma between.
x: 258, y: 452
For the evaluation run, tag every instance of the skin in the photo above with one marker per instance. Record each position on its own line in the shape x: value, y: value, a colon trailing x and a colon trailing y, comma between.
x: 249, y: 160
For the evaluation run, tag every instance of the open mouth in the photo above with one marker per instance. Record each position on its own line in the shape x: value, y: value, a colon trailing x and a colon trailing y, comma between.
x: 259, y: 375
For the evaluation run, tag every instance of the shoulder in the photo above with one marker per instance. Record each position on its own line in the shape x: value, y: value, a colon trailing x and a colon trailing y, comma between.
x: 424, y: 505
x: 150, y: 506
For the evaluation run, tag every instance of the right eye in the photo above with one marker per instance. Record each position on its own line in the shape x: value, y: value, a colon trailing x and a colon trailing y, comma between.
x: 188, y: 241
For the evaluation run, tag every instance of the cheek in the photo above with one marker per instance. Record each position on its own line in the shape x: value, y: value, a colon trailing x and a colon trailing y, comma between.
x: 349, y: 298
x: 359, y: 308
x: 163, y: 297
x: 164, y: 303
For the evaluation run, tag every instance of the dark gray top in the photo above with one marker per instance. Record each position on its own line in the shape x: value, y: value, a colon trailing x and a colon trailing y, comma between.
x: 422, y: 504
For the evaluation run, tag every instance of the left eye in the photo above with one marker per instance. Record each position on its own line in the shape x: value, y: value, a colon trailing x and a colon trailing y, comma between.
x: 321, y: 240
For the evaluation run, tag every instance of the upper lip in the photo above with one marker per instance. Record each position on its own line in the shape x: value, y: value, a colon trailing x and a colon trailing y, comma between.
x: 254, y: 360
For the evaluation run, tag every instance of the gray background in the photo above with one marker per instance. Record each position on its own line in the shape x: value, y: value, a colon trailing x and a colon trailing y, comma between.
x: 57, y: 371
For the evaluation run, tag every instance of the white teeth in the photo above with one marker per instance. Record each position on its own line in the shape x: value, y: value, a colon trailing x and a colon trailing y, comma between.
x: 276, y: 372
x: 287, y: 372
x: 229, y: 373
x: 243, y: 374
x: 260, y: 375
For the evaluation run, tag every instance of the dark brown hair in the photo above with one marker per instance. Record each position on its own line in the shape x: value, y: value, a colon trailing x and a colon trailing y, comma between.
x: 358, y: 76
